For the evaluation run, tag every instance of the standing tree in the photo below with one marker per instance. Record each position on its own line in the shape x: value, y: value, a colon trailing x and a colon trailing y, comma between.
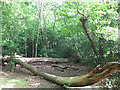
x: 39, y: 23
x: 84, y: 20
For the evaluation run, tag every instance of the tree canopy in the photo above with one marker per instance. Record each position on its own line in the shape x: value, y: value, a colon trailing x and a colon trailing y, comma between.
x: 53, y: 29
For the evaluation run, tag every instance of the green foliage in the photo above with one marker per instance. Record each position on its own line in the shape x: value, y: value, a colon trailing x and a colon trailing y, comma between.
x: 14, y: 82
x: 61, y: 33
x: 113, y: 82
x: 63, y: 49
x: 12, y: 62
x: 67, y: 86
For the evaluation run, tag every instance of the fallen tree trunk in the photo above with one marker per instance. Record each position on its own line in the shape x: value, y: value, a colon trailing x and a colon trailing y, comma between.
x: 87, y: 79
x: 43, y: 59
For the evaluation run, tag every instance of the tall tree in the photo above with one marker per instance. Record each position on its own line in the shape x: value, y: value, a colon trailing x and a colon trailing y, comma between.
x: 39, y: 23
x: 33, y: 41
x: 25, y: 40
x: 44, y: 36
x: 84, y: 20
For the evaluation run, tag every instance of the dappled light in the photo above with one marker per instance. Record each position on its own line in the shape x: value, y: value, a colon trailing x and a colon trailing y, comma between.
x: 60, y: 44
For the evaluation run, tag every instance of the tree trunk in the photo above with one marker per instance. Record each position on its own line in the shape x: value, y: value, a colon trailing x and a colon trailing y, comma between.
x: 87, y: 79
x: 54, y: 23
x: 37, y: 39
x: 118, y: 10
x: 113, y: 50
x: 44, y: 59
x: 84, y: 20
x: 12, y: 44
x: 89, y: 37
x: 39, y: 22
x: 0, y: 41
x: 11, y: 60
x: 101, y: 49
x: 54, y: 20
x: 33, y: 42
x: 25, y: 30
x: 25, y: 45
x: 44, y: 37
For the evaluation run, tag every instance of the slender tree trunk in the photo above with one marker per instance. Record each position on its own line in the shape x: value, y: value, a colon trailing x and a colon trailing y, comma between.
x: 101, y: 49
x: 43, y: 35
x: 113, y: 51
x: 0, y: 43
x: 52, y: 42
x: 33, y: 42
x: 42, y: 38
x: 45, y: 30
x: 37, y: 40
x: 12, y: 44
x: 119, y: 51
x: 54, y: 21
x: 25, y: 39
x: 39, y: 22
x: 33, y: 48
x: 90, y: 38
x: 11, y: 59
x: 25, y: 45
x: 119, y: 31
x: 84, y: 20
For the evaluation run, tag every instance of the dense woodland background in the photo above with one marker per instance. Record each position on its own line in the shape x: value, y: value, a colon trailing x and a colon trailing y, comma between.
x: 53, y: 29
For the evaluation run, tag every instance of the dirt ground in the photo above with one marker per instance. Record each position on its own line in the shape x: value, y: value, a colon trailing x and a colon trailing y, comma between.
x: 48, y: 67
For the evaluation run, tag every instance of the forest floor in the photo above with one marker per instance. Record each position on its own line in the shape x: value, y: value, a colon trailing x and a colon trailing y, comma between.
x: 23, y: 78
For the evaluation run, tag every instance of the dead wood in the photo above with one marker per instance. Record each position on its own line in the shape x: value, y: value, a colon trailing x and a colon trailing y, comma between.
x: 87, y: 79
x: 44, y: 59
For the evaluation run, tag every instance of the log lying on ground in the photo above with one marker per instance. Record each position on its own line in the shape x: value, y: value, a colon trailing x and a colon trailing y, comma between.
x: 44, y: 59
x: 87, y: 79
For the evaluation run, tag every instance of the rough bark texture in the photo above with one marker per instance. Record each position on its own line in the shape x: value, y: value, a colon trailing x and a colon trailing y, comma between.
x: 87, y: 79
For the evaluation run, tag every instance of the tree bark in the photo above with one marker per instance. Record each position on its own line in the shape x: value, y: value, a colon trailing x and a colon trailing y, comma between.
x: 39, y: 22
x: 25, y: 45
x: 101, y: 48
x: 113, y: 50
x: 11, y: 59
x: 44, y: 36
x: 33, y: 42
x: 25, y: 38
x: 89, y: 37
x: 87, y: 79
x: 84, y: 20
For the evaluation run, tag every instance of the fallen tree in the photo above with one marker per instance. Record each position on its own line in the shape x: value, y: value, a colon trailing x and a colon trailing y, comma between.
x: 44, y: 59
x: 87, y: 79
